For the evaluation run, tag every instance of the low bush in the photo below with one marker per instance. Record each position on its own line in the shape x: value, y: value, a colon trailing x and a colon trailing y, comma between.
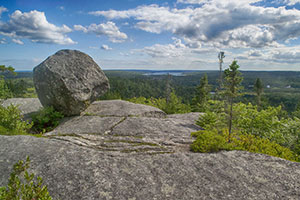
x: 11, y: 121
x: 23, y: 185
x: 209, y: 142
x: 46, y: 119
x: 256, y: 144
x: 212, y: 141
x: 265, y: 123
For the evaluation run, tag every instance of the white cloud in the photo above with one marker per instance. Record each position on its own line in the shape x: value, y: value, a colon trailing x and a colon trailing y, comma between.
x: 291, y: 2
x: 17, y: 41
x: 105, y: 47
x: 34, y: 26
x: 287, y: 55
x: 61, y: 7
x: 109, y: 29
x: 218, y: 23
x: 165, y: 51
x: 2, y: 41
x: 2, y: 10
x: 218, y: 1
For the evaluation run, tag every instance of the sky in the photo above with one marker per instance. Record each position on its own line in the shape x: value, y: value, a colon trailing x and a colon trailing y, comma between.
x: 153, y: 34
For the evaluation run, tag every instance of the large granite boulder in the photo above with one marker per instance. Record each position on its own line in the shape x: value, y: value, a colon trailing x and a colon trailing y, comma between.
x: 69, y: 81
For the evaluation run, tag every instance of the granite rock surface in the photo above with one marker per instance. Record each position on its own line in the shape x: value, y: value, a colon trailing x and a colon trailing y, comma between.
x: 118, y: 150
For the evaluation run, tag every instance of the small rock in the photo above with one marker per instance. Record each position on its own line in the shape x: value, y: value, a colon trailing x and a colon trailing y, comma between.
x: 69, y: 81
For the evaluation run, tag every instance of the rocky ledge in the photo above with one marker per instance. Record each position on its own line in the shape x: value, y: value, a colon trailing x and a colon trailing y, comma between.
x: 120, y: 150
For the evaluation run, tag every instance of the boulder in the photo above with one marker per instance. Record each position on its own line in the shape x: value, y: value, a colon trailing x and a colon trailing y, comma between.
x: 69, y: 81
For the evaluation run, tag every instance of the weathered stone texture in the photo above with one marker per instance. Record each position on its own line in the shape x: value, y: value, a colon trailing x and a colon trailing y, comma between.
x: 69, y: 81
x: 122, y: 108
x: 118, y: 150
x: 74, y: 172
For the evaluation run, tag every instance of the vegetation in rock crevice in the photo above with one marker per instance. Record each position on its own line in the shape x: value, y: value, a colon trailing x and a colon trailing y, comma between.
x: 46, y: 119
x: 23, y: 185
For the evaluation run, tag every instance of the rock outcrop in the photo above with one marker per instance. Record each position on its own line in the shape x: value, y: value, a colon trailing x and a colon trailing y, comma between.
x: 135, y: 151
x: 27, y: 106
x: 69, y: 81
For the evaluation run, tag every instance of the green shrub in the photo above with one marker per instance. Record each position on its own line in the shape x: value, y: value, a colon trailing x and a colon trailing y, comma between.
x: 208, y: 142
x: 256, y: 144
x: 23, y: 186
x: 11, y: 121
x: 212, y: 141
x: 46, y: 119
x: 265, y: 123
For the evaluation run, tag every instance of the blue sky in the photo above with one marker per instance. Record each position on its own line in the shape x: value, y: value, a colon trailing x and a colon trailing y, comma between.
x: 153, y: 34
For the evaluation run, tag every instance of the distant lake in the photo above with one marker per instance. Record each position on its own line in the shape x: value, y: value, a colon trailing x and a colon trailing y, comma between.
x: 164, y: 73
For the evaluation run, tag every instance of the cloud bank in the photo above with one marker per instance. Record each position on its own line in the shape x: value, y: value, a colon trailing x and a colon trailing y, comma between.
x: 34, y: 26
x: 108, y: 29
x: 231, y: 24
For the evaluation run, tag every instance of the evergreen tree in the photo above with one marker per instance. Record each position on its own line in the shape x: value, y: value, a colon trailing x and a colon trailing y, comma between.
x: 258, y: 87
x: 199, y: 102
x: 232, y: 84
x: 168, y: 88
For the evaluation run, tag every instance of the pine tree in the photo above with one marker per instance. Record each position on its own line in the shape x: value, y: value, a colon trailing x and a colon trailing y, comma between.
x: 199, y: 102
x: 232, y: 84
x: 258, y: 87
x: 168, y: 88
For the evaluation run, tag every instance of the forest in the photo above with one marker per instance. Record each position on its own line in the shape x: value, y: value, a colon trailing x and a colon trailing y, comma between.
x: 279, y: 87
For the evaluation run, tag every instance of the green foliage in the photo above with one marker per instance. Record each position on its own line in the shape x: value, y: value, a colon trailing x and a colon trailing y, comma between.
x: 232, y: 80
x: 199, y: 102
x: 232, y: 86
x: 21, y: 87
x: 211, y: 141
x: 129, y: 84
x: 10, y: 121
x: 258, y: 87
x: 264, y: 123
x: 174, y: 106
x: 4, y: 90
x: 296, y: 113
x: 9, y: 69
x: 256, y: 144
x: 208, y: 142
x: 23, y: 186
x: 212, y: 120
x: 46, y: 119
x: 110, y: 96
x: 268, y: 124
x: 249, y: 120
